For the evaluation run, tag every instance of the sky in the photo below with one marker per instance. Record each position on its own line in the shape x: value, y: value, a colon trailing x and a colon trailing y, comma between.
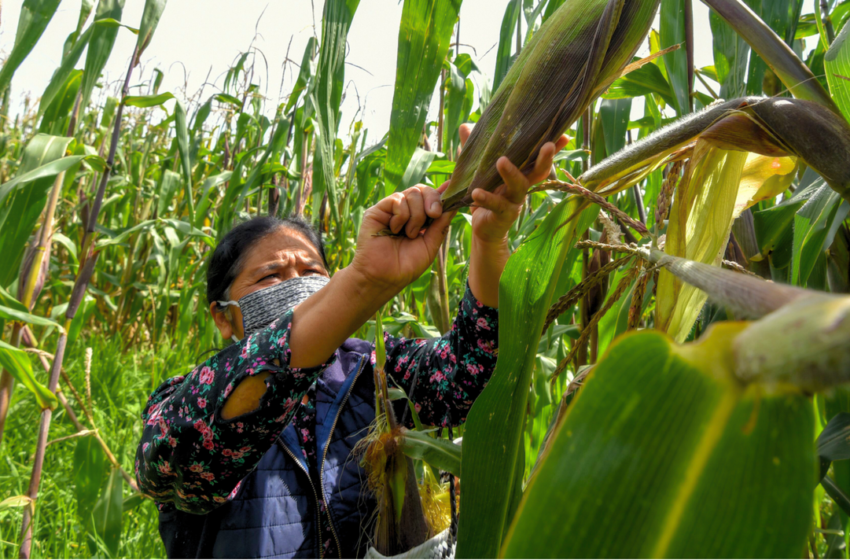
x: 200, y: 38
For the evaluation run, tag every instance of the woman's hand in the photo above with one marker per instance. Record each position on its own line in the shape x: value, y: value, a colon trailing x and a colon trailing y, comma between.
x: 396, y: 261
x: 494, y: 213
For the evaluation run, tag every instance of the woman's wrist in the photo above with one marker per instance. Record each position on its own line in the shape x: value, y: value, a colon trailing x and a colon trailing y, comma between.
x: 486, y: 265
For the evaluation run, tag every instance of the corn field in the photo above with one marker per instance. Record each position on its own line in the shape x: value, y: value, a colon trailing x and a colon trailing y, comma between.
x: 674, y: 349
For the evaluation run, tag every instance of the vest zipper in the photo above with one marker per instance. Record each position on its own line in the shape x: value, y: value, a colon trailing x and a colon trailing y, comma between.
x: 325, y: 454
x: 315, y: 497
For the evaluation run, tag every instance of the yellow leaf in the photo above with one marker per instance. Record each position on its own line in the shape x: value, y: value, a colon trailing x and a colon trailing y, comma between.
x: 763, y: 177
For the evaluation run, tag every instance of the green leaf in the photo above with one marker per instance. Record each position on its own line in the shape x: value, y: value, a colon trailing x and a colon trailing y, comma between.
x: 424, y: 36
x: 772, y: 49
x: 326, y: 95
x: 505, y: 51
x: 419, y: 164
x: 836, y: 61
x: 182, y: 132
x: 89, y: 471
x: 646, y: 80
x: 147, y: 100
x: 17, y: 363
x: 662, y: 451
x: 150, y: 19
x: 731, y: 54
x: 20, y: 208
x: 614, y: 114
x: 35, y: 15
x: 60, y: 76
x: 812, y: 225
x: 437, y: 452
x: 781, y: 16
x: 308, y: 68
x: 833, y: 444
x: 107, y: 513
x: 100, y: 46
x: 672, y: 32
x: 489, y: 468
x: 12, y: 314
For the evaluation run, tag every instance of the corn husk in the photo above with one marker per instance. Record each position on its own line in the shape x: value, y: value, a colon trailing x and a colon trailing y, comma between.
x: 573, y: 57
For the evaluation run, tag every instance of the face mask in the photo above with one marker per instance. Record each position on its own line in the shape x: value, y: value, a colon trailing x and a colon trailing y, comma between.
x: 261, y: 308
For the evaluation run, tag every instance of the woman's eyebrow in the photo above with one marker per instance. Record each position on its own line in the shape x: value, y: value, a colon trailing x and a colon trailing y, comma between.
x: 266, y: 269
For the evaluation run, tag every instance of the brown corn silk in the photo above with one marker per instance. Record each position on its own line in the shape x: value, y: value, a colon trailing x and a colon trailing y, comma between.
x: 580, y: 50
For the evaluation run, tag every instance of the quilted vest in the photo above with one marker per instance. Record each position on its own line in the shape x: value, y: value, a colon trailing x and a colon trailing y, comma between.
x: 274, y: 513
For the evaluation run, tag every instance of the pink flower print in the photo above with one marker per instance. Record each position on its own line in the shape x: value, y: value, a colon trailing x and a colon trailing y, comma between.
x: 245, y: 449
x: 235, y: 490
x: 236, y: 455
x: 200, y: 425
x: 145, y: 447
x: 208, y: 476
x: 207, y: 375
x: 209, y: 445
x: 202, y: 403
x: 305, y: 434
x: 373, y: 359
x: 418, y: 407
x: 485, y: 346
x: 197, y: 467
x: 472, y: 369
x: 244, y: 353
x: 227, y: 452
x: 228, y: 390
x: 482, y: 324
x: 478, y: 304
x: 172, y: 442
x: 437, y: 377
x: 281, y: 342
x: 165, y: 468
x: 219, y: 500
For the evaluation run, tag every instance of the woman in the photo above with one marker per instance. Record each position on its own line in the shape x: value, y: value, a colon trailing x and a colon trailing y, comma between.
x: 250, y: 454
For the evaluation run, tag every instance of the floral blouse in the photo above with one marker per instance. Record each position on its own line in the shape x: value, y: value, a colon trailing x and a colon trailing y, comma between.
x: 192, y: 459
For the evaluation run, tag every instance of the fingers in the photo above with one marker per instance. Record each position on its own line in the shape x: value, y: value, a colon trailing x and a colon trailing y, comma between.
x: 464, y: 131
x: 436, y: 232
x: 416, y: 219
x: 407, y: 211
x: 400, y: 212
x: 505, y: 209
x: 517, y: 184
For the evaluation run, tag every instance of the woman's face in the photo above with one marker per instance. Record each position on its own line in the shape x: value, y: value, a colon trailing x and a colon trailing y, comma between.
x: 275, y: 258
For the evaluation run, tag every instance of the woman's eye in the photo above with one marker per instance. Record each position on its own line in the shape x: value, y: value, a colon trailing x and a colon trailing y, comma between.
x: 267, y: 277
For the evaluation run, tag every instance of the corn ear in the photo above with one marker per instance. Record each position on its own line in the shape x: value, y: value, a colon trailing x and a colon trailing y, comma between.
x: 580, y: 49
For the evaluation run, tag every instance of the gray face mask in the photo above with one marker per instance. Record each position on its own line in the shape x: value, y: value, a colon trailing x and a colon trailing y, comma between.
x: 261, y: 308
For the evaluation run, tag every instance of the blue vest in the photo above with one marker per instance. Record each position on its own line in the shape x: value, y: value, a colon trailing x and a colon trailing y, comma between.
x: 275, y: 511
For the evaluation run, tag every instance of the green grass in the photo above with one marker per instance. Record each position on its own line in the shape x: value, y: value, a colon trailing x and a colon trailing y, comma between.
x: 120, y: 387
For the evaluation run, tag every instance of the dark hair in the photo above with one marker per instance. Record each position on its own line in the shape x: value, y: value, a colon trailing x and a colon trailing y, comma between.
x: 226, y: 261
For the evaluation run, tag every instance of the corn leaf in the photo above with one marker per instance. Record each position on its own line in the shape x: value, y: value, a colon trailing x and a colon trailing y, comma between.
x: 35, y: 15
x: 308, y: 68
x: 89, y: 471
x: 437, y: 452
x: 772, y: 49
x: 16, y: 362
x: 13, y: 314
x: 675, y: 462
x: 700, y: 222
x: 836, y: 61
x: 182, y: 133
x: 424, y: 36
x: 672, y: 32
x: 100, y: 46
x: 23, y: 198
x: 731, y: 53
x: 493, y: 431
x: 60, y: 76
x: 326, y: 96
x: 505, y: 51
x: 781, y: 16
x: 146, y: 101
x: 150, y: 19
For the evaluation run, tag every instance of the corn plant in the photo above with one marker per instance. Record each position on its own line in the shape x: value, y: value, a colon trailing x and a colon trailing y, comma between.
x: 673, y: 321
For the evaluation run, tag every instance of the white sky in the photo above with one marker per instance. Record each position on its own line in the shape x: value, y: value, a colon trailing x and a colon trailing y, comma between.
x: 201, y: 36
